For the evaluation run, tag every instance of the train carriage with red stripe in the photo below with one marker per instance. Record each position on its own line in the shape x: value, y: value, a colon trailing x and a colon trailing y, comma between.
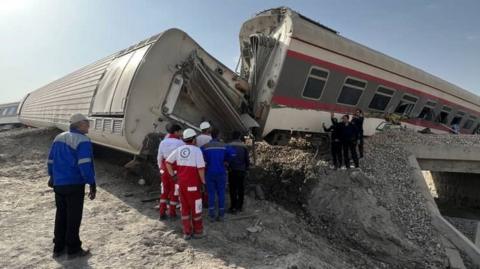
x: 300, y: 71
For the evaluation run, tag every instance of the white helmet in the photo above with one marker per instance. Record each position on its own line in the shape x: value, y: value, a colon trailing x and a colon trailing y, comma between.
x: 189, y: 134
x: 204, y: 125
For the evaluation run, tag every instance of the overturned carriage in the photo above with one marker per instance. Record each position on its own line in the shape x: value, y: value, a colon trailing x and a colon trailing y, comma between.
x: 300, y: 71
x: 136, y: 91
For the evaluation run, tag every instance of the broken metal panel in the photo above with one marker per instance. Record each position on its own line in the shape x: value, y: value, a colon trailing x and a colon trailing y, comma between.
x: 202, y: 94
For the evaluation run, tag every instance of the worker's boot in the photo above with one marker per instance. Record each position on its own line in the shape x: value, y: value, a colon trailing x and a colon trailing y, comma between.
x: 199, y: 235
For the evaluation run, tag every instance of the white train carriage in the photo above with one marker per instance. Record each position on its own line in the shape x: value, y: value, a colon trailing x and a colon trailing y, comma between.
x: 8, y: 116
x: 300, y: 71
x: 136, y: 91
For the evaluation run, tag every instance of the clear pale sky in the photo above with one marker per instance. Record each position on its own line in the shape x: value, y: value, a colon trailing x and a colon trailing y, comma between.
x: 42, y: 40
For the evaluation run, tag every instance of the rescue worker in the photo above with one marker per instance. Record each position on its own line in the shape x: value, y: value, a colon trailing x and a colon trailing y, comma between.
x: 216, y: 155
x: 335, y: 141
x: 349, y: 138
x: 169, y: 190
x: 191, y: 178
x: 357, y: 120
x: 203, y: 139
x: 70, y: 167
x: 205, y: 136
x: 238, y: 165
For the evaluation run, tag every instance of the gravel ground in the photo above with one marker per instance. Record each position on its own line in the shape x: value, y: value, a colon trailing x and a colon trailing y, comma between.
x: 316, y: 217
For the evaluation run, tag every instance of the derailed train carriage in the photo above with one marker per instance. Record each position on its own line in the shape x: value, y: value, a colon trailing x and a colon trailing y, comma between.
x: 8, y: 116
x: 135, y: 92
x: 293, y: 73
x: 300, y: 71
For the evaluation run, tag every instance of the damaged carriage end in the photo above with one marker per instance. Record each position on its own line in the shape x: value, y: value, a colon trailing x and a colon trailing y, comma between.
x: 197, y: 92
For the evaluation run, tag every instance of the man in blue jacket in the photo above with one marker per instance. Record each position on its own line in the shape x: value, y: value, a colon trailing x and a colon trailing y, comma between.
x: 70, y: 167
x: 216, y: 155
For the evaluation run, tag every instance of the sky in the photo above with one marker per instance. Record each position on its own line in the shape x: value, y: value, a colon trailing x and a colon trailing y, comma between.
x: 43, y: 40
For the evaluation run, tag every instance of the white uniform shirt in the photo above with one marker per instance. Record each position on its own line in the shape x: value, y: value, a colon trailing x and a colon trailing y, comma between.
x: 166, y: 147
x: 189, y: 160
x: 203, y: 139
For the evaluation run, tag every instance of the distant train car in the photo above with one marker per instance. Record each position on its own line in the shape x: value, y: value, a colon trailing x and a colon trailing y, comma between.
x: 300, y: 71
x: 8, y: 116
x: 135, y: 92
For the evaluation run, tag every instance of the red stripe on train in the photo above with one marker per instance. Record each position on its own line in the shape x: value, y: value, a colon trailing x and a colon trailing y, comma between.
x: 314, y: 105
x: 358, y: 74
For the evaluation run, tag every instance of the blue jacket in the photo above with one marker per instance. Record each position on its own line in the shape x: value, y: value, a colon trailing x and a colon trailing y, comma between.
x: 216, y: 153
x: 70, y: 161
x: 241, y: 160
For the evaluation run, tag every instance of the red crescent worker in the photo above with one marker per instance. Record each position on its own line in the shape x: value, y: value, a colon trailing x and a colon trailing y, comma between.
x: 191, y: 178
x: 168, y: 197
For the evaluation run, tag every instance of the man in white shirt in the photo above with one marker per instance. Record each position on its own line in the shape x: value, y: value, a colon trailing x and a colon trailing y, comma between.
x: 169, y: 195
x: 190, y: 175
x: 205, y: 136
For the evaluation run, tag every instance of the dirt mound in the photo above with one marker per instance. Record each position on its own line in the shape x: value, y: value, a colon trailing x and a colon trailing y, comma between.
x: 375, y: 215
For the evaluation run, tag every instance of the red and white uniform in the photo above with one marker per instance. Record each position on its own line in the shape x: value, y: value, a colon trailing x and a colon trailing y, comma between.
x: 169, y: 188
x: 189, y: 160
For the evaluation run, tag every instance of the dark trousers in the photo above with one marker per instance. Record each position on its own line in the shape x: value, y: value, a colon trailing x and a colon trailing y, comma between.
x: 360, y: 146
x: 236, y: 182
x: 350, y: 146
x: 337, y: 153
x: 69, y: 202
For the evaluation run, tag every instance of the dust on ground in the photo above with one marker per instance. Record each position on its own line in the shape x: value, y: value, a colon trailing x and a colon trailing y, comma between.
x: 313, y: 217
x: 123, y: 232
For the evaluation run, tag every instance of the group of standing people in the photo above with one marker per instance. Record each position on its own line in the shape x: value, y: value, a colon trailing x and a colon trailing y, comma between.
x: 194, y: 169
x: 346, y: 139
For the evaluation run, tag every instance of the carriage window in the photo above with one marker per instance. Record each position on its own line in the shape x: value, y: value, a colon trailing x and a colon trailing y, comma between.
x: 4, y: 112
x: 12, y: 111
x: 427, y: 112
x: 443, y: 116
x: 469, y: 123
x: 315, y: 83
x: 406, y: 105
x: 381, y: 98
x: 458, y: 118
x: 351, y: 91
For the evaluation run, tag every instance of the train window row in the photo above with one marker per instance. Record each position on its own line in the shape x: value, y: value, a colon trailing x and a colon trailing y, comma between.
x: 353, y: 89
x: 8, y: 111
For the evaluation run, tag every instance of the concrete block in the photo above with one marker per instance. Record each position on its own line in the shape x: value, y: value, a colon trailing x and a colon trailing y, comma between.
x: 477, y: 235
x: 454, y: 258
x: 457, y: 238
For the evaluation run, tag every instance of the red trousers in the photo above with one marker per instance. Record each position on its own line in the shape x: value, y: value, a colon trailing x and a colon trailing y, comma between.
x: 168, y: 197
x: 191, y: 203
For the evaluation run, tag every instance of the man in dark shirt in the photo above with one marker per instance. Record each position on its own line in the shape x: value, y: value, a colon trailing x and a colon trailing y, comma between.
x: 239, y: 165
x: 335, y: 141
x: 349, y: 139
x: 357, y: 120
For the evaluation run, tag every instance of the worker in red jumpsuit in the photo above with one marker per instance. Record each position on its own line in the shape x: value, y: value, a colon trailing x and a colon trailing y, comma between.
x: 168, y: 197
x: 191, y: 178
